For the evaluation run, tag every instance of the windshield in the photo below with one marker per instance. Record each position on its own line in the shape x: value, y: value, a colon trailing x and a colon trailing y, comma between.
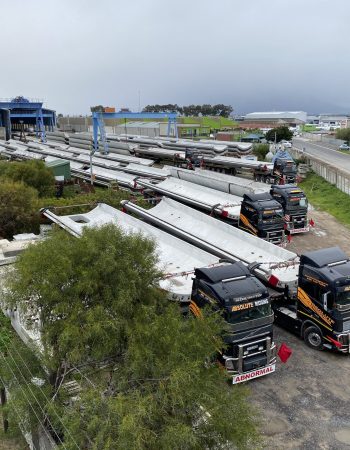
x: 257, y: 312
x: 288, y: 167
x: 271, y: 215
x: 297, y: 201
x: 343, y: 296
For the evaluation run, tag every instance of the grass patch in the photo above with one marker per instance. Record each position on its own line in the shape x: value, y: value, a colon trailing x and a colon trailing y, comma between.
x: 346, y: 152
x: 327, y: 197
x: 211, y: 122
x: 308, y: 128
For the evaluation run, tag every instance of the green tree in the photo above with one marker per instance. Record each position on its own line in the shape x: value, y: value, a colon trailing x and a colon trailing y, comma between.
x: 22, y: 374
x: 18, y: 209
x: 33, y: 173
x: 280, y: 133
x: 98, y: 299
x: 344, y: 134
x: 261, y: 150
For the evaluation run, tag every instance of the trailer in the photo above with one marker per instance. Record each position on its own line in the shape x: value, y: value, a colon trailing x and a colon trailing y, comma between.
x: 257, y: 214
x: 281, y: 171
x: 311, y: 294
x: 274, y: 265
x: 161, y: 154
x: 291, y: 197
x: 189, y: 274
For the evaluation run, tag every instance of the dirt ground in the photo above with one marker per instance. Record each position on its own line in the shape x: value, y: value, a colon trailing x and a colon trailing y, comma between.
x: 305, y: 404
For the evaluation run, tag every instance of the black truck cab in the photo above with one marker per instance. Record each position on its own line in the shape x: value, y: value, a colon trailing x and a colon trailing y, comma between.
x: 262, y: 216
x: 321, y: 312
x: 245, y: 305
x: 294, y: 204
x: 285, y: 170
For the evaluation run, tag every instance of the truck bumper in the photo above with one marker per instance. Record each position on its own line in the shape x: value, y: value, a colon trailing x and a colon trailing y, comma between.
x: 250, y: 362
x: 240, y: 378
x: 298, y: 230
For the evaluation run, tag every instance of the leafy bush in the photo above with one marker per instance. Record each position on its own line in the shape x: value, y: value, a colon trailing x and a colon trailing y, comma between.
x: 18, y: 209
x: 261, y: 150
x: 33, y: 173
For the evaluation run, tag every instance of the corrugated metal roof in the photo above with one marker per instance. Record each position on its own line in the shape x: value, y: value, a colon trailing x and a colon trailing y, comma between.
x: 300, y: 115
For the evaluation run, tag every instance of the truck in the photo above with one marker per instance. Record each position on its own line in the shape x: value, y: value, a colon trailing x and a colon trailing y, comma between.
x: 291, y: 197
x: 281, y: 171
x: 294, y: 204
x: 260, y: 215
x: 310, y: 294
x: 194, y: 278
x: 320, y: 313
x: 245, y: 304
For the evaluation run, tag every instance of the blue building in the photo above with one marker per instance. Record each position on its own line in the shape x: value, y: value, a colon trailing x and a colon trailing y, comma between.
x: 19, y: 112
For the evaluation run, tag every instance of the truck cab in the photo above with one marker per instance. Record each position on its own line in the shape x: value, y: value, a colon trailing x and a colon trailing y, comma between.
x: 262, y: 216
x: 321, y: 312
x: 294, y: 204
x: 284, y: 171
x: 244, y: 303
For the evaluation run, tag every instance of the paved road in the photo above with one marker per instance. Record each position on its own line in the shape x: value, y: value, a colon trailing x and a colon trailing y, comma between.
x: 327, y: 154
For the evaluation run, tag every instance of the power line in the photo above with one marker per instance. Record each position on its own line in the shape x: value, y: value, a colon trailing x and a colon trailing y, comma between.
x: 43, y: 393
x: 28, y: 401
x: 20, y: 421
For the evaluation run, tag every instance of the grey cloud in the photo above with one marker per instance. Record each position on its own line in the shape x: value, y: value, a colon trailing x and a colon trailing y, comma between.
x: 256, y: 55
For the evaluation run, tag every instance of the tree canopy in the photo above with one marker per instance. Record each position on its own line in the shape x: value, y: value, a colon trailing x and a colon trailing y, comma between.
x: 261, y: 150
x: 344, y: 134
x: 280, y: 133
x: 18, y: 208
x: 148, y: 375
x: 192, y: 110
x: 33, y: 173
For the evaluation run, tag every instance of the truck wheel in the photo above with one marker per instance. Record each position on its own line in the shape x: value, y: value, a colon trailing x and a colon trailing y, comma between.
x: 313, y: 338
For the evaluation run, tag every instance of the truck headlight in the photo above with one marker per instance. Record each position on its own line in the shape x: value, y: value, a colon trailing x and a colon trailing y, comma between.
x: 229, y: 364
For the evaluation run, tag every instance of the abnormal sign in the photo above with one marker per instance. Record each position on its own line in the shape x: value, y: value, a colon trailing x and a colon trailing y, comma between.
x: 240, y: 378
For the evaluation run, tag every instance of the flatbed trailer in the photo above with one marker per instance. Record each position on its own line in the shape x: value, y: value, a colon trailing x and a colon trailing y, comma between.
x: 274, y: 265
x: 281, y: 171
x: 232, y: 166
x: 176, y: 257
x: 161, y: 154
x: 222, y: 204
x: 258, y: 215
x: 291, y: 197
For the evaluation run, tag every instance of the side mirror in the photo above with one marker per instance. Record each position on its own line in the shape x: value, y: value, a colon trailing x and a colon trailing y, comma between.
x: 325, y: 300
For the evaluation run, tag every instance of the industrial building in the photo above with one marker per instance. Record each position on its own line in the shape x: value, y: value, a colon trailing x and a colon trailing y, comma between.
x: 20, y: 113
x: 274, y: 119
x: 329, y: 121
x: 156, y: 129
x: 150, y: 129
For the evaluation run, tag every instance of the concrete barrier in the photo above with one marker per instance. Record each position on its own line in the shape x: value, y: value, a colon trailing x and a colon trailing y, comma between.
x: 332, y: 174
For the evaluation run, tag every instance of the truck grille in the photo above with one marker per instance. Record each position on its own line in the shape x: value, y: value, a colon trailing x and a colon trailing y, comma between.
x: 299, y: 221
x: 276, y: 237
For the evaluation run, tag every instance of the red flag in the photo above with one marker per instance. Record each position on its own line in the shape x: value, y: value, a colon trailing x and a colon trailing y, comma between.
x: 312, y: 223
x: 284, y: 352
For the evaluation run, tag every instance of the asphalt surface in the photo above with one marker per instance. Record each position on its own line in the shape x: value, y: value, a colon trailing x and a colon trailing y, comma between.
x: 305, y: 404
x: 326, y: 153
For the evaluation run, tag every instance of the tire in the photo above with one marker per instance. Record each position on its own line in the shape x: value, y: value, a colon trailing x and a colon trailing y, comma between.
x: 313, y: 338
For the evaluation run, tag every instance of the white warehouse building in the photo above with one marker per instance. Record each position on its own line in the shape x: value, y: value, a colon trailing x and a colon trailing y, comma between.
x: 295, y: 117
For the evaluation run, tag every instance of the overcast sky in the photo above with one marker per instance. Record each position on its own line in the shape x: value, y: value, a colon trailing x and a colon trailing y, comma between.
x: 255, y: 55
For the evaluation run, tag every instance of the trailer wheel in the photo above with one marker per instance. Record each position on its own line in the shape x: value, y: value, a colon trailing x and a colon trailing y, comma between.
x: 313, y: 338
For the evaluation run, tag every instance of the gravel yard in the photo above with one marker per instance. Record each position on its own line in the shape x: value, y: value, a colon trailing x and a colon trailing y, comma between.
x: 305, y: 404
